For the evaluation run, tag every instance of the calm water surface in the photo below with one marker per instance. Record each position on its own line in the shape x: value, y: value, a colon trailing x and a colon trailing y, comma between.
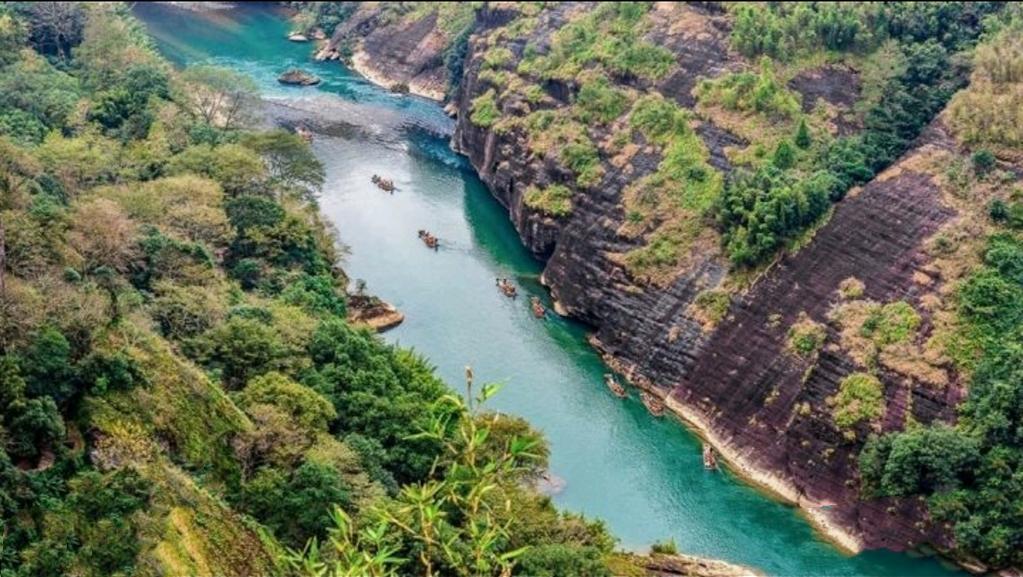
x: 643, y: 476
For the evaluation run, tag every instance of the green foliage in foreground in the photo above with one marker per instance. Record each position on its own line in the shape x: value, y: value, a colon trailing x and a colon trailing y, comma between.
x: 467, y: 518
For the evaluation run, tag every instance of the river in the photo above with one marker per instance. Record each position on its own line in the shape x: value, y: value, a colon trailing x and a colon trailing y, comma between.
x: 643, y: 476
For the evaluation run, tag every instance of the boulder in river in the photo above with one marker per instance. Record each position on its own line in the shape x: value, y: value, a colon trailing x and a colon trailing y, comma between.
x: 298, y: 77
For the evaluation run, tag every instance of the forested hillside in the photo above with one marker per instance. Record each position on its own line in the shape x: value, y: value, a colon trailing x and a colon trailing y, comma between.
x: 180, y: 390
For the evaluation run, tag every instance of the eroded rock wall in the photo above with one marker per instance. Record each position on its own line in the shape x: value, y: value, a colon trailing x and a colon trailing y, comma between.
x: 635, y: 325
x: 401, y: 55
x: 767, y: 407
x: 754, y: 392
x: 769, y: 410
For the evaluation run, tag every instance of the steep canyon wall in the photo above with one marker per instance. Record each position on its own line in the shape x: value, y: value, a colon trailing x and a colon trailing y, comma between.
x: 736, y: 379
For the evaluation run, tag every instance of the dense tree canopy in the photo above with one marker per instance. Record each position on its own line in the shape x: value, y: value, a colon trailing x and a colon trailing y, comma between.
x: 174, y: 349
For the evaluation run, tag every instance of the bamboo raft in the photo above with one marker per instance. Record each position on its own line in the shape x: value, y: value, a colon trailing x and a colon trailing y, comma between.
x: 507, y: 288
x: 710, y: 460
x: 652, y: 404
x: 616, y: 388
x: 428, y: 239
x: 384, y: 184
x: 538, y: 309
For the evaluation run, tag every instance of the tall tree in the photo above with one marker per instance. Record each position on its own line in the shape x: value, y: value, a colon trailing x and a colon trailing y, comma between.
x: 290, y: 163
x: 221, y: 97
x: 54, y: 27
x: 16, y: 170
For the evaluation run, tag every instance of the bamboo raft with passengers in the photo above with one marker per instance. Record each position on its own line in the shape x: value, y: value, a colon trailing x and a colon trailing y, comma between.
x: 710, y: 460
x: 385, y: 184
x: 538, y: 309
x: 616, y: 388
x: 652, y: 404
x: 428, y: 239
x: 506, y: 287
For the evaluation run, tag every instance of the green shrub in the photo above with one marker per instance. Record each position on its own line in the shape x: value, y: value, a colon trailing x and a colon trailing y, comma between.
x: 784, y: 155
x: 802, y: 138
x: 240, y: 349
x: 983, y: 161
x: 750, y: 92
x: 598, y: 101
x: 555, y: 200
x: 919, y: 460
x: 806, y: 337
x: 583, y: 158
x: 892, y: 323
x: 303, y: 405
x: 664, y: 547
x: 658, y: 119
x: 662, y: 251
x: 484, y: 112
x: 851, y: 288
x: 497, y: 57
x: 860, y: 398
x: 562, y: 560
x: 713, y: 304
x: 295, y: 506
x: 534, y: 93
x: 626, y: 56
x: 609, y: 36
x: 92, y: 532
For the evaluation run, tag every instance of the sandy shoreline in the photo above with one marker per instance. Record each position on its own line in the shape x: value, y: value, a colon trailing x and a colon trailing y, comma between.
x: 769, y: 482
x: 361, y: 64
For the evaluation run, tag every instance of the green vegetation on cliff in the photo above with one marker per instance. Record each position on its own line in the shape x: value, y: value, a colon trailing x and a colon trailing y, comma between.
x: 971, y: 472
x: 760, y: 212
x: 570, y: 92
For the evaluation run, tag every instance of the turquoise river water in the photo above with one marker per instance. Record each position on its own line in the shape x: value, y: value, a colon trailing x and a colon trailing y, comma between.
x: 643, y: 476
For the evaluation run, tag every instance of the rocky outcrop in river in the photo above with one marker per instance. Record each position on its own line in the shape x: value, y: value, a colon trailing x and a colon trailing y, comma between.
x: 298, y: 77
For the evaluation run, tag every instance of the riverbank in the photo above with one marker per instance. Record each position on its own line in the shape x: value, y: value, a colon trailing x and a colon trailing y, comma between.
x: 676, y: 565
x: 363, y: 64
x: 738, y: 462
x: 776, y: 486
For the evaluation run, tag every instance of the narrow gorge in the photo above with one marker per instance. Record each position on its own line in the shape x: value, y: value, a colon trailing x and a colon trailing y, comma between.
x: 551, y: 289
x: 714, y: 339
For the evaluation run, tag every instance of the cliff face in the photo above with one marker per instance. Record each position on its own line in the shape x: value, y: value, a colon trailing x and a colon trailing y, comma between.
x: 768, y: 410
x: 637, y: 325
x: 405, y: 54
x: 772, y: 407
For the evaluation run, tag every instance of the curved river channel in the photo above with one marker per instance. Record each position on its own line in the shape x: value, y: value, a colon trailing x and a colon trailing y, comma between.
x: 643, y: 476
